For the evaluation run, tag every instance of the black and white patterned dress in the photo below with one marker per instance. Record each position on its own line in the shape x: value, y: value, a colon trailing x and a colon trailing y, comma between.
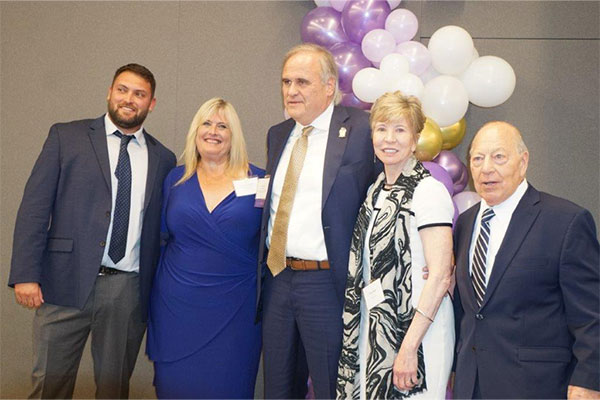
x: 386, y: 245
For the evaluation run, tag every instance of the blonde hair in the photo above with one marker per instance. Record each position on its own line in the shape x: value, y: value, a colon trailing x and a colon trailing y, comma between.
x: 237, y: 164
x: 328, y: 67
x: 392, y: 106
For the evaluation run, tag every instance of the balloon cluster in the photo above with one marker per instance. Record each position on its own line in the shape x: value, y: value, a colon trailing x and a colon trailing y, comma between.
x: 372, y: 45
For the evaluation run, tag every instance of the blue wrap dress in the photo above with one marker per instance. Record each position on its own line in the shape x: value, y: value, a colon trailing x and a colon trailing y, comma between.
x: 201, y: 331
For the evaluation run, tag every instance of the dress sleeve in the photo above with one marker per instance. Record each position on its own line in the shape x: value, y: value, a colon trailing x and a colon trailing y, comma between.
x: 432, y: 204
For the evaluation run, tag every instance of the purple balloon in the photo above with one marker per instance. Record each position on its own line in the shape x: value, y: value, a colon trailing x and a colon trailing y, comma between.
x: 377, y: 44
x: 440, y: 174
x: 403, y: 24
x: 350, y: 100
x: 456, y: 214
x: 322, y: 25
x: 362, y: 16
x: 418, y: 56
x: 455, y: 168
x: 465, y: 200
x: 349, y: 60
x: 462, y: 182
x: 450, y: 162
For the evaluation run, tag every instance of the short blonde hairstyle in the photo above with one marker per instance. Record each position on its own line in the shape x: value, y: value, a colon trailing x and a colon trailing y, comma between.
x: 328, y: 67
x: 393, y: 106
x: 237, y: 164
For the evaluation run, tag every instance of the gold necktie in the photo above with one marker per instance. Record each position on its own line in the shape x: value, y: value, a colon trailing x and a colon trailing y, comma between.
x: 276, y: 258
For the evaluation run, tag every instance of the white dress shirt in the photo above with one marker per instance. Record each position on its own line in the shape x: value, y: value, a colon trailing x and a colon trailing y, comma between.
x: 498, y: 226
x: 138, y: 157
x: 306, y: 239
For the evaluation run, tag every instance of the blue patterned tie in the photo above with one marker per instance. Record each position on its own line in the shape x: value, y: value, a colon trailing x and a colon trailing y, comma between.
x: 480, y: 255
x: 120, y: 227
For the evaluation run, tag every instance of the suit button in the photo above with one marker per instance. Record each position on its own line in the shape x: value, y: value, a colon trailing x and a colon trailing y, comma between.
x: 107, y: 214
x: 479, y: 316
x: 474, y: 349
x: 102, y: 243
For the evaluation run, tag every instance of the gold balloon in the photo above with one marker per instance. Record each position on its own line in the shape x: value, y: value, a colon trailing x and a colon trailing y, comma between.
x: 453, y: 134
x: 430, y: 141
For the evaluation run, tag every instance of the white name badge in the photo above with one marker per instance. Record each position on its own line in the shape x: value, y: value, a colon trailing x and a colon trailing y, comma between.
x: 373, y: 293
x: 261, y: 191
x: 380, y: 200
x: 245, y: 187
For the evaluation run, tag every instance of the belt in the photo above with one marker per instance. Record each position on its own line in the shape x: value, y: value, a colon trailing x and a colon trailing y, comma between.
x: 305, y: 265
x: 109, y: 271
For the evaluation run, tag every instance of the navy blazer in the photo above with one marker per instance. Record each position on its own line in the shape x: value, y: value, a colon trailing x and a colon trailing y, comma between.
x: 537, y: 330
x: 63, y: 220
x: 348, y: 171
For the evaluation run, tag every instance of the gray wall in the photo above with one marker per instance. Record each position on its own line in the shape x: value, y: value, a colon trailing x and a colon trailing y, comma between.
x: 57, y: 60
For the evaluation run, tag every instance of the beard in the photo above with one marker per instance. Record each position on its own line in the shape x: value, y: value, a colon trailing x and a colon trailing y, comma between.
x: 126, y: 123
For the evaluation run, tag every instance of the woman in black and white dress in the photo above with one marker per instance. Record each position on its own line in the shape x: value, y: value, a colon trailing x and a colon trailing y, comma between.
x: 398, y: 327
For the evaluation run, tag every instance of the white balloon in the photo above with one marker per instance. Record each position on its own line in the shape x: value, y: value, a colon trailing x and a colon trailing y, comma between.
x: 451, y: 49
x: 322, y: 3
x: 475, y: 54
x: 489, y: 81
x: 393, y: 3
x: 368, y: 84
x: 429, y: 74
x: 394, y: 64
x: 445, y: 100
x: 377, y: 44
x: 409, y: 84
x: 338, y: 4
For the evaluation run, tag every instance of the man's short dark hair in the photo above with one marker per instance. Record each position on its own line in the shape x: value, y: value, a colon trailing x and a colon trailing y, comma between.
x: 140, y: 70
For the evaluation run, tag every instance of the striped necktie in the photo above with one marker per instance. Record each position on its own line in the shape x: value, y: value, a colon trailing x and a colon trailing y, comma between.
x: 480, y: 255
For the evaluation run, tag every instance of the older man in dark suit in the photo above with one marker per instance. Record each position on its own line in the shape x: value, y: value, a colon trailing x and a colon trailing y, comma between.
x: 528, y: 287
x: 321, y: 164
x: 86, y: 240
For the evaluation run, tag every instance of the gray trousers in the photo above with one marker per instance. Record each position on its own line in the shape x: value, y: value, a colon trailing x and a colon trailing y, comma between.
x: 112, y: 315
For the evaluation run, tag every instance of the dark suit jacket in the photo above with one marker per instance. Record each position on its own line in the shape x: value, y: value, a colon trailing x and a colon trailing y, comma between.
x: 537, y: 330
x: 348, y: 171
x: 64, y: 216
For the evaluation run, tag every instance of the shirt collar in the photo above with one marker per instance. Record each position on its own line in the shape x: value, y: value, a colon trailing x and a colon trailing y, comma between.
x: 320, y: 124
x: 507, y: 207
x: 111, y: 128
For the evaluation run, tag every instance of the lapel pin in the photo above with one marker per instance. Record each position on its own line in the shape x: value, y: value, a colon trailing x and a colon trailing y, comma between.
x: 342, y: 132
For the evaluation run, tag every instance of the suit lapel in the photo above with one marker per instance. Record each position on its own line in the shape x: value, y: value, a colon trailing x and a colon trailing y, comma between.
x: 462, y: 258
x: 278, y: 141
x: 336, y: 146
x: 520, y: 223
x: 153, y: 161
x: 97, y: 134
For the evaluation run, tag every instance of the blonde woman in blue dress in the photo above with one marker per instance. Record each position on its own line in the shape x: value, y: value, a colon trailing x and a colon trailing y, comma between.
x: 399, y: 327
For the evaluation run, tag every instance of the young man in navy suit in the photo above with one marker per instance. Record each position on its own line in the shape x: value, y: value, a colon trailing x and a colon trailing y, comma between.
x: 86, y: 240
x: 321, y: 163
x: 527, y: 272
